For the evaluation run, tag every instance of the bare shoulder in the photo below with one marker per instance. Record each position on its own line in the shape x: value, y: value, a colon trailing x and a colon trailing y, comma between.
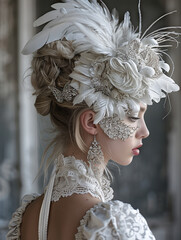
x: 29, y: 225
x: 77, y: 202
x: 65, y: 215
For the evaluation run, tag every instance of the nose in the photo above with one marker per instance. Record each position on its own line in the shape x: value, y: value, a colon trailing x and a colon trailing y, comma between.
x: 142, y: 131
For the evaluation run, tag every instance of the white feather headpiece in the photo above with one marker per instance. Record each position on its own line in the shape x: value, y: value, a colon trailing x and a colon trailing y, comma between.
x: 118, y: 68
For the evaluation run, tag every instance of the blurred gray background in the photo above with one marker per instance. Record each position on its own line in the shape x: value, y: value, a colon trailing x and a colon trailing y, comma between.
x: 151, y: 183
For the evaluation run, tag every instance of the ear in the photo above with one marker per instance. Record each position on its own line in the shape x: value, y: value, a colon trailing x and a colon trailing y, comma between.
x: 87, y: 122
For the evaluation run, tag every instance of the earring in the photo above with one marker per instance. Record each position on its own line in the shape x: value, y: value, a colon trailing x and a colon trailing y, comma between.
x: 95, y: 154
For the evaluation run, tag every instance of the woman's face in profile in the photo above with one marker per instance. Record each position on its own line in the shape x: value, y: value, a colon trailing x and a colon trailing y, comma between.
x: 121, y: 151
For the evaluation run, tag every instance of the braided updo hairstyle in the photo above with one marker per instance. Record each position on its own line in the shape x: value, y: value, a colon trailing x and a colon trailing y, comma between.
x: 53, y: 63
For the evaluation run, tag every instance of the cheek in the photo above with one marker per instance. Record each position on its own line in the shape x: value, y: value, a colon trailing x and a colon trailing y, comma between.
x: 119, y: 151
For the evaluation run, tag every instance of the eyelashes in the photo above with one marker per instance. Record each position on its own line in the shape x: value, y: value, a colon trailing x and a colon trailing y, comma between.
x: 134, y: 119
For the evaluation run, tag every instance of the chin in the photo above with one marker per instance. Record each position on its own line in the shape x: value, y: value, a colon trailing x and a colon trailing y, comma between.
x: 125, y: 162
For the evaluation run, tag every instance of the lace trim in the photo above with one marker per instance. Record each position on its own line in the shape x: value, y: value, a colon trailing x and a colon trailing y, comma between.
x: 14, y: 224
x: 75, y: 176
x: 113, y: 220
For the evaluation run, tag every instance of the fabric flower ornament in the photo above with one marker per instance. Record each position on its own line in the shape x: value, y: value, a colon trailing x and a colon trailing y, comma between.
x: 124, y: 77
x: 116, y: 67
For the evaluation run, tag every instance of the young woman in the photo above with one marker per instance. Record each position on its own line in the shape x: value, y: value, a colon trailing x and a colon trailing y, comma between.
x: 95, y: 78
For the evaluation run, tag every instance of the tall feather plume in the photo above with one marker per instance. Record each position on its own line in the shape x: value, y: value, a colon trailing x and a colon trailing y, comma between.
x: 118, y: 66
x: 140, y: 18
x: 71, y: 20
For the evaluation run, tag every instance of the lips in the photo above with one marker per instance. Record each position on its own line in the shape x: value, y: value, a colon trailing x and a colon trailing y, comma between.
x: 136, y: 151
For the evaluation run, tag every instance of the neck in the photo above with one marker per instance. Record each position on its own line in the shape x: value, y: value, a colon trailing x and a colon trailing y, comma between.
x: 78, y: 154
x: 73, y: 151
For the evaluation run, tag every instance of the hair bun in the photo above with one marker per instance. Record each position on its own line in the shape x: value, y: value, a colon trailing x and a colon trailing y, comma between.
x: 43, y: 104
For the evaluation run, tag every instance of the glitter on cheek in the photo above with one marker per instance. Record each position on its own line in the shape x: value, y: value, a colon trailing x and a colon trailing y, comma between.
x: 115, y: 128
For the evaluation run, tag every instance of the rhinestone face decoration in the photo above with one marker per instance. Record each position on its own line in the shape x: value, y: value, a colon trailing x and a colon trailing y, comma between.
x: 115, y: 128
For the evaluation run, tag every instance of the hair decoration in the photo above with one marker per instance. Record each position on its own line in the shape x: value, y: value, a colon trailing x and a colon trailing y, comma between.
x: 117, y: 67
x: 67, y: 94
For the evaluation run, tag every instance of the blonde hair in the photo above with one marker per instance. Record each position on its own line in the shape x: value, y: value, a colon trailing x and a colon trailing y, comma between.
x: 53, y: 63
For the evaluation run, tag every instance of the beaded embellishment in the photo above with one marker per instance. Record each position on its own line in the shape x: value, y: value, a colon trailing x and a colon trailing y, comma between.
x: 95, y: 153
x: 95, y: 157
x: 67, y: 94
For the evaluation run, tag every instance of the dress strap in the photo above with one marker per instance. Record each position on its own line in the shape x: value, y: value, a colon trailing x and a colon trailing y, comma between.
x: 45, y: 209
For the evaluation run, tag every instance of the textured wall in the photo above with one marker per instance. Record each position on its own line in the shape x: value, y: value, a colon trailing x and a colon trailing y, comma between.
x: 9, y: 166
x: 174, y: 139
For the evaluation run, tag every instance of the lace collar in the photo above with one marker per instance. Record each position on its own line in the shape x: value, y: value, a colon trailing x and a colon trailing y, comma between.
x: 75, y: 176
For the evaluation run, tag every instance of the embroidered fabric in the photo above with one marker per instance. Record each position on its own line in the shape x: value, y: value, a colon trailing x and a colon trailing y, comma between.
x: 14, y: 224
x: 75, y: 176
x: 113, y: 220
x: 105, y: 221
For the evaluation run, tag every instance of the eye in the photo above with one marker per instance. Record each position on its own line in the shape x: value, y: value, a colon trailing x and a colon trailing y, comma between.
x: 134, y: 119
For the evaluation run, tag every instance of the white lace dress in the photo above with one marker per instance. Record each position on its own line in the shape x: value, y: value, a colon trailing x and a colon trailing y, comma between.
x: 107, y: 220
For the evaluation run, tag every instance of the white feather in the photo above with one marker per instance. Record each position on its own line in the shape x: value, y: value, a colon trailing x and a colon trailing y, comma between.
x: 99, y: 115
x: 47, y: 17
x: 147, y: 71
x: 82, y: 96
x: 80, y: 78
x: 119, y: 110
x: 155, y: 92
x: 91, y: 98
x: 98, y: 30
x: 75, y: 84
x: 150, y: 41
x: 165, y: 66
x: 36, y: 42
x: 133, y: 105
x: 67, y: 5
x: 82, y: 69
x: 110, y: 108
x: 100, y: 107
x: 146, y: 98
x: 167, y: 84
